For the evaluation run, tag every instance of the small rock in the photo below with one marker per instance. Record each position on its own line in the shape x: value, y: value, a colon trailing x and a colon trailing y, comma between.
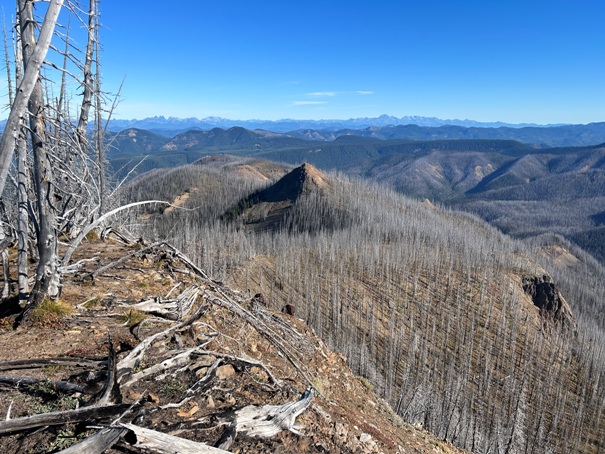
x: 341, y: 431
x: 210, y: 402
x: 133, y: 395
x: 364, y: 438
x: 229, y: 399
x: 224, y: 372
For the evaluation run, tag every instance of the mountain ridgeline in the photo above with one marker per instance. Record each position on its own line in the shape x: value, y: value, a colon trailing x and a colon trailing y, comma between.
x: 492, y: 343
x: 524, y: 189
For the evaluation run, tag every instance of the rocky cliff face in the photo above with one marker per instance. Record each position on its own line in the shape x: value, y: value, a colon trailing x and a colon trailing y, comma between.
x: 546, y: 297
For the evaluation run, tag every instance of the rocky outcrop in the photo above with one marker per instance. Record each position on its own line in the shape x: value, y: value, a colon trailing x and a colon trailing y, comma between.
x: 547, y: 297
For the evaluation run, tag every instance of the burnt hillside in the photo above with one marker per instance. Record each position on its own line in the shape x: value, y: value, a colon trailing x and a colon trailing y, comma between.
x: 430, y: 305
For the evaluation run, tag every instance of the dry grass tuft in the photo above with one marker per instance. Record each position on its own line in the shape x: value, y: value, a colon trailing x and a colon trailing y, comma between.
x: 133, y: 317
x: 51, y: 312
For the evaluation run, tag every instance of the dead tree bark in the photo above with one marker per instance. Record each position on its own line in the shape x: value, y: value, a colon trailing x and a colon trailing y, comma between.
x: 22, y: 221
x: 5, y: 261
x: 22, y: 199
x: 88, y: 81
x: 97, y: 443
x: 154, y: 441
x: 47, y: 272
x: 99, y: 130
x: 18, y: 109
x: 269, y: 420
x: 61, y: 417
x: 58, y: 385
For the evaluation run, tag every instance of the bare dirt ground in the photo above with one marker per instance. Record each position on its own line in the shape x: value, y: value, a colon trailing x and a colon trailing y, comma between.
x: 233, y: 353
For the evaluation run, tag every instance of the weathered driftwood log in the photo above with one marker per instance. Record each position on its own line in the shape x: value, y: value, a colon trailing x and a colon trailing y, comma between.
x: 171, y: 309
x: 269, y: 420
x: 111, y: 390
x: 165, y: 309
x: 97, y: 443
x: 62, y: 386
x: 159, y: 442
x: 266, y: 421
x: 176, y: 361
x: 59, y: 418
x: 132, y: 360
x: 44, y: 362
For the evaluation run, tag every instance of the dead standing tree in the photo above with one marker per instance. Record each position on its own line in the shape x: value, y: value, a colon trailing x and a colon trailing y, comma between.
x: 63, y: 192
x: 47, y: 274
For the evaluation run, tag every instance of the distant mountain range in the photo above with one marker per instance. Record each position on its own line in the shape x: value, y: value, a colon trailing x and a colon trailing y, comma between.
x: 382, y: 127
x: 175, y: 125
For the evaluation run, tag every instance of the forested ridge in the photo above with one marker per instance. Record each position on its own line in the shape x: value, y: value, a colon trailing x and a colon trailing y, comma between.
x: 431, y: 305
x: 523, y: 189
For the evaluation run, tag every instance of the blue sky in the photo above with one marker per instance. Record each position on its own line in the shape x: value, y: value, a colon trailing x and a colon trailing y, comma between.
x: 514, y: 61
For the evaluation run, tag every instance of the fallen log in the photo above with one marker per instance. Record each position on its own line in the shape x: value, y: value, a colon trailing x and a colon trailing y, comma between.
x: 44, y: 362
x: 269, y: 420
x: 265, y: 421
x: 132, y: 360
x: 154, y: 441
x: 166, y: 309
x: 62, y: 386
x: 170, y: 363
x: 111, y: 390
x: 58, y: 418
x: 262, y: 328
x: 97, y: 443
x: 119, y: 235
x: 123, y: 259
x: 187, y: 261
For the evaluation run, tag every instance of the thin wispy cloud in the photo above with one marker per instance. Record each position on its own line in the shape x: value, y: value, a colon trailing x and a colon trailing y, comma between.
x: 322, y: 94
x: 308, y: 103
x: 319, y: 94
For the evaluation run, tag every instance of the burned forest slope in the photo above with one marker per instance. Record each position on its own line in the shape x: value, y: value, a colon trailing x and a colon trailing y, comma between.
x: 150, y: 355
x: 488, y: 342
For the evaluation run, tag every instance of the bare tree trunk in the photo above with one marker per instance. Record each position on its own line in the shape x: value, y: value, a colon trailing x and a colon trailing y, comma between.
x: 22, y: 184
x: 22, y: 220
x: 9, y: 78
x: 47, y: 273
x: 37, y: 53
x: 100, y: 131
x: 5, y: 261
x: 88, y: 81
